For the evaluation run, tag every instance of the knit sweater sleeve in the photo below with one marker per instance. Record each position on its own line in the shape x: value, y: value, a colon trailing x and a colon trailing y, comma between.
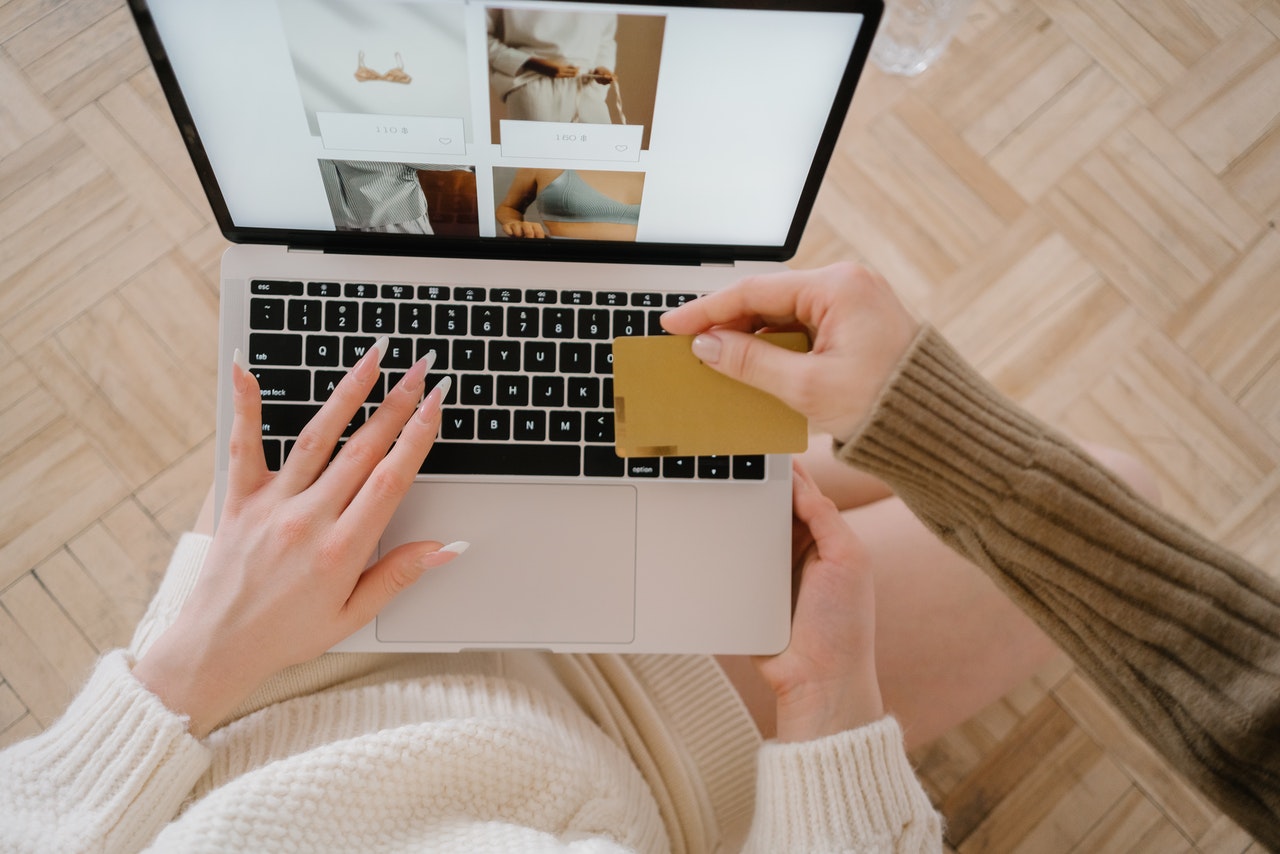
x: 1180, y: 634
x: 853, y: 791
x: 106, y: 776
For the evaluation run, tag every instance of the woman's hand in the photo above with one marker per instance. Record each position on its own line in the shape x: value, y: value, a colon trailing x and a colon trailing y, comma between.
x: 825, y: 680
x: 287, y: 576
x: 550, y: 67
x: 523, y: 228
x: 858, y: 328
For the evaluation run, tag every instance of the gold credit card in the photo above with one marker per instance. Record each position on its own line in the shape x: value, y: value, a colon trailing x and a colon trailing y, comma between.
x: 669, y: 404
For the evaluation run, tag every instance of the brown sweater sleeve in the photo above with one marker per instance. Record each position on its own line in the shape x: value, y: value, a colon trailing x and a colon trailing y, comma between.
x: 1180, y: 634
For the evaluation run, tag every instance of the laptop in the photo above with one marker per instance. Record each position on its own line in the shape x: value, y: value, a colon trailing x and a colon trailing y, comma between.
x: 513, y: 186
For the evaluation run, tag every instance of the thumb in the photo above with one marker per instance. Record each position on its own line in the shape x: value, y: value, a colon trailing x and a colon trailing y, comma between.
x: 752, y: 360
x: 394, y: 572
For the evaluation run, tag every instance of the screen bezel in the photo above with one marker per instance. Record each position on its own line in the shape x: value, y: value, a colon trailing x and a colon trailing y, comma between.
x: 487, y: 247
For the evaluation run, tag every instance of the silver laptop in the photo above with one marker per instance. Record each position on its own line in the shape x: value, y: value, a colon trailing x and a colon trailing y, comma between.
x: 514, y: 185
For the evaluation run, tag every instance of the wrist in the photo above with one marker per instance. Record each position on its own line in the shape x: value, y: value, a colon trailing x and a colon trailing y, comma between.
x: 191, y: 680
x: 821, y: 711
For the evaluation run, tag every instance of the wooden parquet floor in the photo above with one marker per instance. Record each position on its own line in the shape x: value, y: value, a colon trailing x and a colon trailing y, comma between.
x: 1082, y: 195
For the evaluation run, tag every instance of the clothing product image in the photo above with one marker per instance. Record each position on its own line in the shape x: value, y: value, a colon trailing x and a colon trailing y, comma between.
x: 585, y: 40
x: 395, y: 75
x: 568, y: 198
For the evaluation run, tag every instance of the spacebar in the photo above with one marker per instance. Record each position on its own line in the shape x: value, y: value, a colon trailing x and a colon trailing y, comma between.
x: 501, y: 458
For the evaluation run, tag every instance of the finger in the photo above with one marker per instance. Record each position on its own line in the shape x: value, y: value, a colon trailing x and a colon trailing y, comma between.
x: 832, y: 536
x: 394, y: 572
x: 753, y: 360
x: 348, y: 471
x: 774, y: 299
x: 365, y: 518
x: 314, y: 448
x: 248, y: 464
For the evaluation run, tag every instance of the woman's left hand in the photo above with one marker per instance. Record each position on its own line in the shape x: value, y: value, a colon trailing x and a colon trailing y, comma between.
x: 287, y: 576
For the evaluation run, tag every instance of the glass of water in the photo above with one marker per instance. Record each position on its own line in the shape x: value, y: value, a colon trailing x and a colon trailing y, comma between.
x: 915, y: 32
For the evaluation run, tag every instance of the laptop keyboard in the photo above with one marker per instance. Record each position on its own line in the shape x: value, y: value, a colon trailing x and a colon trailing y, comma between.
x: 532, y: 368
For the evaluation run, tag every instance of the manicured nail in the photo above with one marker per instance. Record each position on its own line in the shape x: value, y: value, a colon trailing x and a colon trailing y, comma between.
x: 381, y: 346
x: 443, y: 555
x: 367, y: 367
x: 240, y: 375
x: 431, y: 404
x: 707, y: 347
x: 413, y: 377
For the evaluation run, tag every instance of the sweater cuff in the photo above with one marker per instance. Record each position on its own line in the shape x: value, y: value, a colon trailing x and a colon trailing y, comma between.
x: 854, y: 790
x: 118, y: 764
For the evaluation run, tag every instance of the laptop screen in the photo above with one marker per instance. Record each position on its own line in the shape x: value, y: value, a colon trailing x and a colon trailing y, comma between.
x: 507, y: 128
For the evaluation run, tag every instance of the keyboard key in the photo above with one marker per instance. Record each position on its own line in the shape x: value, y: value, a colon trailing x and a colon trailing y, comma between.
x: 584, y: 392
x: 451, y: 320
x: 468, y: 355
x: 646, y: 300
x: 476, y: 389
x: 628, y: 322
x: 439, y: 346
x: 575, y: 297
x: 678, y: 467
x: 323, y: 351
x: 611, y: 298
x: 433, y: 379
x: 557, y: 322
x: 377, y: 392
x: 396, y: 292
x: 268, y: 349
x: 539, y: 357
x: 457, y: 424
x: 503, y: 459
x: 288, y: 419
x: 504, y: 356
x: 513, y: 391
x: 266, y: 313
x: 655, y: 323
x: 505, y: 295
x: 378, y: 318
x: 325, y: 383
x: 399, y: 353
x: 354, y: 347
x: 494, y: 424
x: 548, y: 391
x: 464, y: 294
x: 359, y: 290
x: 272, y: 451
x: 713, y: 468
x: 599, y: 427
x: 262, y: 287
x: 575, y: 358
x: 593, y: 323
x: 522, y: 322
x: 486, y: 320
x: 541, y: 296
x: 565, y: 426
x: 284, y: 384
x: 433, y: 292
x: 602, y: 461
x: 642, y: 466
x: 674, y: 300
x: 604, y: 359
x: 305, y: 315
x: 415, y: 319
x: 530, y: 425
x: 748, y: 468
x: 341, y: 316
x: 323, y: 289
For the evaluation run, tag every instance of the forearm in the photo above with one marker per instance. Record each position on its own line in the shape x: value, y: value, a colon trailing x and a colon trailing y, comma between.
x: 852, y: 791
x: 1181, y: 635
x: 106, y: 776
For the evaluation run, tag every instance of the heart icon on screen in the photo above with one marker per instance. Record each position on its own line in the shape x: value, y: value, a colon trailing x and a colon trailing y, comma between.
x: 444, y: 140
x: 620, y: 148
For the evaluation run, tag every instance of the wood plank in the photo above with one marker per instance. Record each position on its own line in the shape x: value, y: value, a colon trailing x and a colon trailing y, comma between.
x: 84, y: 600
x: 37, y: 682
x: 50, y: 629
x: 23, y: 115
x: 1134, y: 824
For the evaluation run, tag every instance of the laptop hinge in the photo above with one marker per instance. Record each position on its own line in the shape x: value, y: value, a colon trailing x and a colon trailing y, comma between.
x: 717, y: 264
x: 305, y: 250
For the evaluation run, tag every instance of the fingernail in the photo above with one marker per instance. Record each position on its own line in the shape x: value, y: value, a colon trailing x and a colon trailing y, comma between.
x: 443, y: 555
x: 381, y: 346
x: 240, y: 376
x: 431, y: 405
x: 414, y: 376
x: 369, y: 363
x: 707, y: 347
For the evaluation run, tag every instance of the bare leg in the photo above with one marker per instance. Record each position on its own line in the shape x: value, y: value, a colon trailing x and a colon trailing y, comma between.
x: 948, y: 642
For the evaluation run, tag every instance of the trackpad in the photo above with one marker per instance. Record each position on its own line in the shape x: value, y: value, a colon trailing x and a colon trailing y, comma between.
x: 548, y: 563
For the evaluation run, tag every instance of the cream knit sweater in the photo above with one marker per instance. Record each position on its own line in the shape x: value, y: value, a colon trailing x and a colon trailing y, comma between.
x: 453, y: 762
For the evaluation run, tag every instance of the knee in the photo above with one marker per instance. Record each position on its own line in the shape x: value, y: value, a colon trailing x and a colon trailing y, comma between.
x: 1128, y: 468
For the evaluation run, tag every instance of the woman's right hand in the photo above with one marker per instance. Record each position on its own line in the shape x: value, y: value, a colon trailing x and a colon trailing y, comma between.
x: 858, y: 328
x: 523, y: 228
